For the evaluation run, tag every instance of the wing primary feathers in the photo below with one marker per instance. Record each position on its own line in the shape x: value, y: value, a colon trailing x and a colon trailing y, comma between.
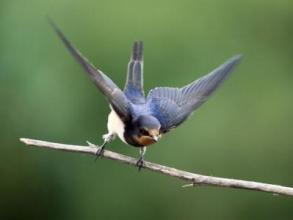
x: 200, y: 89
x: 114, y: 95
x: 76, y: 54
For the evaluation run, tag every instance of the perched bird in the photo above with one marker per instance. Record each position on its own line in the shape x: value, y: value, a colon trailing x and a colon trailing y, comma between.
x: 140, y: 120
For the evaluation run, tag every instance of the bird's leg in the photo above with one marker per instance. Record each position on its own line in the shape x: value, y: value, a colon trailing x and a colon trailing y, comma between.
x: 140, y: 161
x: 107, y: 138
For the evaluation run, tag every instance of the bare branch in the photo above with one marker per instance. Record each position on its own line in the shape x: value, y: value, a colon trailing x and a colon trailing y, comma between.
x: 194, y: 179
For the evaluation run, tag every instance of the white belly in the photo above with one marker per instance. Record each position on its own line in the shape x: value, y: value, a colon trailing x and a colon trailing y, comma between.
x: 115, y: 125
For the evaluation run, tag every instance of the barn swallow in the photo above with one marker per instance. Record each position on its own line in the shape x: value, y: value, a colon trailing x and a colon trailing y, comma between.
x: 140, y: 120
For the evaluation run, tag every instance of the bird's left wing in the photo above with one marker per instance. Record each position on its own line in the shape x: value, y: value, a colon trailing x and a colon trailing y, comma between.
x: 171, y: 106
x: 112, y: 92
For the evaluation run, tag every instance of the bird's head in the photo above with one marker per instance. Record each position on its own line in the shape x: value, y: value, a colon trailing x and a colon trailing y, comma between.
x: 147, y: 130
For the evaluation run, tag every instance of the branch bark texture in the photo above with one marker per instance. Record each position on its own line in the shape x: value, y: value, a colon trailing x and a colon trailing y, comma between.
x: 193, y: 178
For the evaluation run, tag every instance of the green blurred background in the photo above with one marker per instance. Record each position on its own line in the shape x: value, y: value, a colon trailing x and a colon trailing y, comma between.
x: 244, y: 131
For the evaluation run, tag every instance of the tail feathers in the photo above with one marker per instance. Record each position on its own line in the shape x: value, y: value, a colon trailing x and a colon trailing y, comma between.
x: 134, y: 84
x: 137, y: 51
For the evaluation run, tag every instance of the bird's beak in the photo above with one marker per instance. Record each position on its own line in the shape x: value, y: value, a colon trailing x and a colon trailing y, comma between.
x: 156, y: 138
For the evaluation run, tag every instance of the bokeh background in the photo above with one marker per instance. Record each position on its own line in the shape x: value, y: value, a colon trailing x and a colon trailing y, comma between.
x: 244, y: 131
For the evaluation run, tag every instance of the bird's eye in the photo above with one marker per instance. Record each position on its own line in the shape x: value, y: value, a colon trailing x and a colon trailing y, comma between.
x: 143, y: 131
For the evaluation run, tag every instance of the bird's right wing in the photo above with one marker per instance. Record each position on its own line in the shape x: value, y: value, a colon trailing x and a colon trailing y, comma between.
x: 171, y: 106
x: 112, y: 92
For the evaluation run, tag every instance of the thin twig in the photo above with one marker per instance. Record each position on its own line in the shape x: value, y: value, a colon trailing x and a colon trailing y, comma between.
x: 194, y: 179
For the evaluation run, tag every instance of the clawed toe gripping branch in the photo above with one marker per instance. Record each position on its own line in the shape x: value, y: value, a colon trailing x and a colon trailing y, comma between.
x: 192, y: 178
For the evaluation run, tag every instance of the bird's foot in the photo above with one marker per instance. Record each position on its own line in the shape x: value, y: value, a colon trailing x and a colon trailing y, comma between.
x: 140, y: 163
x: 100, y: 150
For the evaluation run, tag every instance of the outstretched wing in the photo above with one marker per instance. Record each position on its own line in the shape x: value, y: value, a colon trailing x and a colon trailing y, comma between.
x: 173, y: 105
x: 112, y: 92
x: 134, y: 84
